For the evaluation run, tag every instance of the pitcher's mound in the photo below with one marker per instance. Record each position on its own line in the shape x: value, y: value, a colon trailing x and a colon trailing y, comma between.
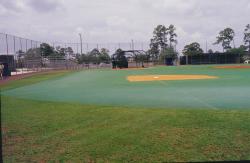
x: 141, y: 78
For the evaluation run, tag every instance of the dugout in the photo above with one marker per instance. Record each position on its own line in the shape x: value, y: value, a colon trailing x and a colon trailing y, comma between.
x: 169, y: 61
x: 9, y: 64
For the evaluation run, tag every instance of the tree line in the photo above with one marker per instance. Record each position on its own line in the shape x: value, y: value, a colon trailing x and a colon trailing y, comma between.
x: 45, y: 50
x: 162, y: 46
x: 225, y: 38
x: 164, y: 41
x: 95, y: 56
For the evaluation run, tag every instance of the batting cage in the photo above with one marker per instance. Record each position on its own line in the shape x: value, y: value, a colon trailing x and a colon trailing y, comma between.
x: 131, y: 59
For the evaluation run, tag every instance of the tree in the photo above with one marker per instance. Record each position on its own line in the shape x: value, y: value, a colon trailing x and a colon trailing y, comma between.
x: 141, y: 58
x: 78, y: 58
x: 104, y: 56
x: 20, y: 53
x: 148, y: 56
x: 237, y: 51
x: 46, y: 49
x: 210, y: 51
x: 247, y: 37
x: 172, y: 35
x: 82, y: 58
x: 33, y: 54
x: 94, y: 56
x: 60, y: 52
x: 160, y: 36
x: 69, y: 51
x: 159, y: 47
x: 154, y: 50
x: 168, y: 52
x: 33, y: 57
x: 225, y: 38
x: 192, y: 49
x: 118, y: 50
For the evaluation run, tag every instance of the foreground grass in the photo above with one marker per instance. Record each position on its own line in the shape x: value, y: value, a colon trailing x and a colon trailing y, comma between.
x: 48, y: 131
x: 36, y: 131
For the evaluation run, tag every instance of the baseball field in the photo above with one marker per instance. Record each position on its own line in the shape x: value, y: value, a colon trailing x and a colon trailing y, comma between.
x: 158, y: 114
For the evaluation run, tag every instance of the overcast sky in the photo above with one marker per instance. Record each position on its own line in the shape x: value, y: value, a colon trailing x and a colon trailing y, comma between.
x: 103, y: 21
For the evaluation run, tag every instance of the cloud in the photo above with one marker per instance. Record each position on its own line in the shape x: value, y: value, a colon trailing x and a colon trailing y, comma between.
x: 116, y: 21
x: 13, y: 6
x: 120, y: 21
x: 3, y: 10
x: 44, y: 5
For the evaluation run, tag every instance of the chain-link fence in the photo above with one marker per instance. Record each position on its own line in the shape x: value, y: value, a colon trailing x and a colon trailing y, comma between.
x: 11, y: 45
x: 14, y: 50
x: 111, y: 47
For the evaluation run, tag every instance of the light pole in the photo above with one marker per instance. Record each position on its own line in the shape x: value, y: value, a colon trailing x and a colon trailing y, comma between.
x: 133, y: 48
x: 81, y: 41
x: 7, y: 44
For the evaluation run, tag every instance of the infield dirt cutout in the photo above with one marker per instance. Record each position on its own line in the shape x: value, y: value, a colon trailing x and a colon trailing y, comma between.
x: 141, y: 78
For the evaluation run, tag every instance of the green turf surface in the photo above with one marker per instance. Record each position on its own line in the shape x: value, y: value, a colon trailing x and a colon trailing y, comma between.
x: 42, y: 131
x: 109, y: 87
x: 43, y: 76
x: 36, y: 131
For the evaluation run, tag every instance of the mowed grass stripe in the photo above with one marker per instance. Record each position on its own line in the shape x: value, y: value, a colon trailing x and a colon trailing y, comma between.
x: 51, y: 131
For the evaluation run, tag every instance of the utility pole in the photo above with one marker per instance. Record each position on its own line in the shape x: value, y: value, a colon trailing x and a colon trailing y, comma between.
x: 26, y: 44
x: 80, y: 41
x: 7, y: 45
x: 133, y: 45
x: 206, y: 46
x: 77, y: 48
x: 14, y: 41
x: 21, y: 44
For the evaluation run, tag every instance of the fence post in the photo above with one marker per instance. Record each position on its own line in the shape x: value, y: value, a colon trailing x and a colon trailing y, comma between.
x: 26, y: 41
x: 7, y: 45
x: 20, y: 39
x: 14, y: 39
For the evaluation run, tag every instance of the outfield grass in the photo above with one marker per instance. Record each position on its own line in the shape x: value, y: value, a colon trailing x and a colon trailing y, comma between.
x: 56, y: 131
x: 106, y: 87
x: 36, y: 78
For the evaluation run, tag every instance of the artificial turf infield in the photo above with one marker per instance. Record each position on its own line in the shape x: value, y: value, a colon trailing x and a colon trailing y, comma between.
x: 107, y: 87
x: 42, y: 131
